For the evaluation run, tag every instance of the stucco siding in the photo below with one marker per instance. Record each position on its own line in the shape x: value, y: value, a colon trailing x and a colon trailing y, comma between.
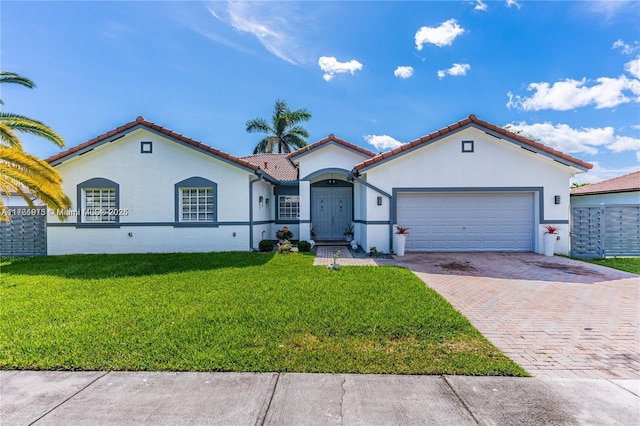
x: 494, y: 163
x: 147, y: 195
x: 146, y: 239
x: 329, y: 156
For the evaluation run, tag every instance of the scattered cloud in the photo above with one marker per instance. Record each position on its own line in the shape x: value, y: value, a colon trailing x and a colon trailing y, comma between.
x: 331, y: 67
x: 403, y: 72
x: 633, y: 67
x: 444, y: 35
x: 456, y: 70
x: 599, y: 173
x: 382, y: 142
x: 512, y: 3
x: 584, y: 140
x: 605, y: 92
x: 275, y: 25
x: 480, y: 6
x: 610, y: 9
x: 625, y: 48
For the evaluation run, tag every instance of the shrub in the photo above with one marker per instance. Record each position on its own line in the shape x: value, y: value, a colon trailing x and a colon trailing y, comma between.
x: 265, y: 245
x: 304, y: 246
x: 284, y: 234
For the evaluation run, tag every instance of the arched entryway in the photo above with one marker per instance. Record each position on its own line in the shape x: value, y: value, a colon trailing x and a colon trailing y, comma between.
x: 331, y: 208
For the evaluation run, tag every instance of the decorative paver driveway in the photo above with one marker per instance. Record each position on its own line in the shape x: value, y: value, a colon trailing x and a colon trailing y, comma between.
x: 556, y: 317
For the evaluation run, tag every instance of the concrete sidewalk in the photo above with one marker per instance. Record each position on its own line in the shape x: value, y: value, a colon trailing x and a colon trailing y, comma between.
x: 132, y: 398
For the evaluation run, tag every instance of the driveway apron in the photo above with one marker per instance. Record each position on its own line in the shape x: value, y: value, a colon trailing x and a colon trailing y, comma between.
x: 556, y: 317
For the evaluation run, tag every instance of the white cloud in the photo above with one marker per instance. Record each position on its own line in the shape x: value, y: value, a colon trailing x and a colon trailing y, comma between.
x: 403, y: 72
x: 456, y: 70
x: 481, y: 6
x: 568, y: 94
x: 331, y: 67
x: 625, y: 48
x: 625, y: 143
x: 512, y: 3
x: 382, y: 142
x: 584, y: 140
x: 633, y: 67
x: 275, y: 25
x: 610, y: 9
x: 599, y: 173
x: 444, y: 35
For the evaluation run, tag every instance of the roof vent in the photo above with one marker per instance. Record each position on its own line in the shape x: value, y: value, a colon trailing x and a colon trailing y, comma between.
x: 266, y: 165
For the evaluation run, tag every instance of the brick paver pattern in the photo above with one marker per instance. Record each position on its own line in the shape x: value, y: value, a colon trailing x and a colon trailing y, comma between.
x: 556, y: 317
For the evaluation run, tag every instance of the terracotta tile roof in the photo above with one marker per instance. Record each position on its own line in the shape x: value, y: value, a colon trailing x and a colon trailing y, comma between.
x: 625, y: 183
x: 472, y: 119
x: 140, y: 121
x: 331, y: 138
x: 277, y: 166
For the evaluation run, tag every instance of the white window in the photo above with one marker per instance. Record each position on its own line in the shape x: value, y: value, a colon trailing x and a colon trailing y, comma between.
x: 196, y: 205
x: 288, y: 207
x: 99, y: 205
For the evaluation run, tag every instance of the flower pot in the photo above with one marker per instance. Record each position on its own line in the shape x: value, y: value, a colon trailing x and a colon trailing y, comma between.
x: 399, y: 243
x: 550, y: 244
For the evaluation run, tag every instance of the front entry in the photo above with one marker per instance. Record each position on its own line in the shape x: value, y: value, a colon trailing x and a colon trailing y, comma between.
x: 331, y: 209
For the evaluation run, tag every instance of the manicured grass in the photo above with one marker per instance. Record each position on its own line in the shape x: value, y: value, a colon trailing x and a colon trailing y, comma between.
x: 628, y: 264
x: 231, y: 312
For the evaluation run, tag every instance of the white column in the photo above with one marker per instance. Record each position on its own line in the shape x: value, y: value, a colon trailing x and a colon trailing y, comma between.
x: 305, y: 210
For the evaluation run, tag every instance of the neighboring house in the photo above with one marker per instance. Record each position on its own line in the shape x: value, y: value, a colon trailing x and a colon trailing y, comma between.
x: 606, y: 218
x: 471, y: 186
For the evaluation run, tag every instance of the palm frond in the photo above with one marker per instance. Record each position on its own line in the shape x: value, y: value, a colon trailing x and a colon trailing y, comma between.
x: 9, y: 138
x: 20, y: 123
x: 258, y: 125
x: 23, y: 172
x: 12, y: 77
x: 299, y: 131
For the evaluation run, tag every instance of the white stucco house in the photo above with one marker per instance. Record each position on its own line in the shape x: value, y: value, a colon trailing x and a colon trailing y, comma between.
x: 471, y: 186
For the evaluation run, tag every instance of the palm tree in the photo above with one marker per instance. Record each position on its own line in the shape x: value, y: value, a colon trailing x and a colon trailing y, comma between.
x: 283, y: 132
x: 20, y: 172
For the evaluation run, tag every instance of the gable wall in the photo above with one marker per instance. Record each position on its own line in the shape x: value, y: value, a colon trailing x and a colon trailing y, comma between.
x: 495, y: 163
x: 146, y: 191
x: 327, y: 157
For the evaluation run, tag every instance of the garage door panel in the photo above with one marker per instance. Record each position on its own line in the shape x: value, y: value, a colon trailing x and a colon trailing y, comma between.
x: 467, y: 222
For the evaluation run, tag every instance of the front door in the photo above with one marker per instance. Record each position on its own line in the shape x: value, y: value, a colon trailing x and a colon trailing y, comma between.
x: 331, y: 208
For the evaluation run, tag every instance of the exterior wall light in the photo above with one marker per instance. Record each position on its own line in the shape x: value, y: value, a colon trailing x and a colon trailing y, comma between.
x: 379, y: 201
x: 556, y: 199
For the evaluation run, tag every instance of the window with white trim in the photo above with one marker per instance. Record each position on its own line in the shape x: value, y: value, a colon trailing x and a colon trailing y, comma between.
x: 100, y: 205
x: 288, y: 207
x: 196, y: 205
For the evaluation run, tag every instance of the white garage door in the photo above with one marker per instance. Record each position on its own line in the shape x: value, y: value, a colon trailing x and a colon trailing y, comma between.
x: 467, y: 222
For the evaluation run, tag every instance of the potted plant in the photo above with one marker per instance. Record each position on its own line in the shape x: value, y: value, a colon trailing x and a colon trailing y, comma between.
x: 550, y: 238
x: 348, y: 233
x: 400, y: 239
x: 284, y: 234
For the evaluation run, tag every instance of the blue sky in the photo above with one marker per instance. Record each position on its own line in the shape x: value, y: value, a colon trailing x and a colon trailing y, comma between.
x: 373, y: 73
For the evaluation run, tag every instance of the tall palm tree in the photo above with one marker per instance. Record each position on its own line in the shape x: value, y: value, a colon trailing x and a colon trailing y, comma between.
x: 20, y: 172
x: 284, y: 131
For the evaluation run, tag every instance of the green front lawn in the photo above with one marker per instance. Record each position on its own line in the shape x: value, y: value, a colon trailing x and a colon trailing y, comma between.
x: 628, y: 264
x: 231, y: 312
